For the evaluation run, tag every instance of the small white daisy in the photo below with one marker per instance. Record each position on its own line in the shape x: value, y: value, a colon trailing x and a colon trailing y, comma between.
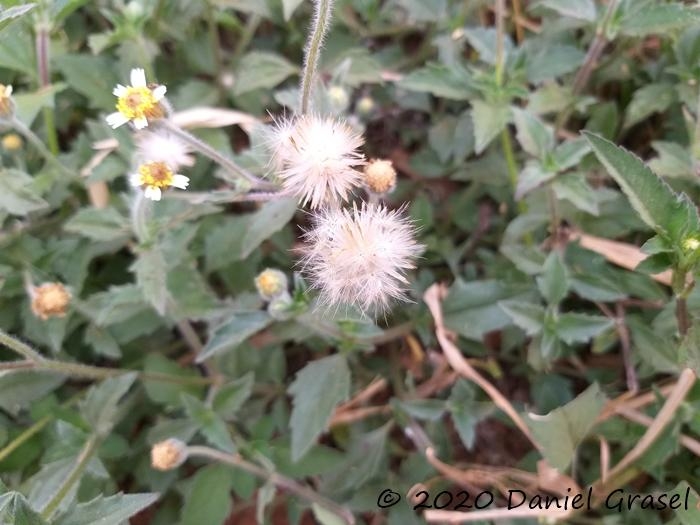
x: 137, y: 102
x: 360, y: 256
x: 154, y: 177
x: 164, y: 147
x: 316, y: 158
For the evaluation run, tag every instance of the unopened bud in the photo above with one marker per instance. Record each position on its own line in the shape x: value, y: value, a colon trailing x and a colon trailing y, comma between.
x: 365, y: 106
x: 338, y: 97
x: 50, y: 300
x: 168, y: 454
x: 271, y: 283
x: 12, y: 142
x: 380, y: 176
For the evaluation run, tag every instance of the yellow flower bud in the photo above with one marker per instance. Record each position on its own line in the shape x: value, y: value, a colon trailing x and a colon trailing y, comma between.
x: 50, y: 300
x: 365, y: 105
x: 168, y: 454
x: 12, y: 142
x: 271, y: 283
x: 380, y: 176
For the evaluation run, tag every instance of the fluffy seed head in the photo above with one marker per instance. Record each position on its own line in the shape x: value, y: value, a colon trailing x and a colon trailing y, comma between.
x: 271, y: 283
x: 50, y: 300
x: 380, y: 176
x: 168, y: 454
x: 359, y: 257
x: 316, y: 158
x: 161, y: 146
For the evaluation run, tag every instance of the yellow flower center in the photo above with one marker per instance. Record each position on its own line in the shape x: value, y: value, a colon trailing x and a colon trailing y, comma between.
x: 139, y: 102
x: 156, y: 175
x: 691, y: 244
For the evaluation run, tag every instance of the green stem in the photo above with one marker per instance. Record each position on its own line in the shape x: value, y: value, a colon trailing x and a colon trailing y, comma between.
x: 83, y: 458
x: 21, y: 348
x: 500, y: 41
x: 25, y: 436
x: 278, y: 480
x: 313, y: 49
x: 246, y: 36
x: 216, y: 50
x: 510, y: 158
x: 206, y: 150
x: 42, y: 59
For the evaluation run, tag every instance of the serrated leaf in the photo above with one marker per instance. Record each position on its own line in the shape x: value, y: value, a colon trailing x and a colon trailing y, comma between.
x: 112, y: 510
x: 534, y: 136
x: 318, y: 388
x: 562, y: 430
x: 269, y: 219
x: 656, y: 203
x: 151, y: 276
x: 233, y: 332
x: 581, y: 9
x: 14, y: 510
x: 18, y: 195
x: 489, y: 120
x: 647, y: 100
x: 231, y: 396
x: 580, y: 328
x: 554, y: 281
x: 209, y: 499
x: 99, y: 224
x: 210, y: 424
x: 574, y: 188
x: 658, y: 19
x: 439, y: 80
x: 529, y: 317
x: 261, y: 69
x: 19, y: 388
x: 100, y: 406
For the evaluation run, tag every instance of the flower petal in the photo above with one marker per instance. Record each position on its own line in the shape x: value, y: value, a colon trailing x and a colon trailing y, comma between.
x: 152, y: 193
x: 159, y: 92
x: 119, y: 90
x: 135, y: 179
x: 180, y: 181
x: 138, y: 77
x: 8, y: 91
x: 140, y: 123
x: 116, y: 119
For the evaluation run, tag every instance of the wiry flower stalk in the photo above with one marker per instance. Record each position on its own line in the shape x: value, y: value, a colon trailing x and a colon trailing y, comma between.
x: 322, y: 16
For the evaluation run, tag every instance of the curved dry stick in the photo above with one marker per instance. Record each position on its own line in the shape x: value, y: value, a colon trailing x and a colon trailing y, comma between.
x: 433, y: 297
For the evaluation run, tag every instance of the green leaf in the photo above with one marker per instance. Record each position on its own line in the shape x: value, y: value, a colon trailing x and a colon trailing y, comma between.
x: 534, y: 136
x: 261, y: 69
x: 674, y: 160
x: 92, y: 76
x: 562, y: 430
x: 580, y: 328
x: 18, y: 195
x: 534, y: 175
x: 151, y: 276
x: 466, y: 412
x: 647, y: 100
x: 574, y: 188
x: 529, y: 317
x: 483, y: 40
x: 233, y: 332
x: 20, y: 388
x: 658, y: 206
x: 101, y: 404
x: 231, y: 396
x: 581, y: 9
x: 489, y: 120
x: 166, y: 392
x: 209, y: 497
x: 318, y: 388
x: 691, y: 514
x: 99, y: 224
x: 660, y: 18
x: 112, y: 510
x: 28, y: 104
x: 11, y: 13
x: 269, y: 219
x: 288, y: 8
x: 14, y: 510
x: 440, y: 81
x: 210, y: 424
x: 554, y: 282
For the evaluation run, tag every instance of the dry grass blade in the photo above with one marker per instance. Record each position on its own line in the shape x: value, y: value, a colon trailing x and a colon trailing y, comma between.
x: 207, y: 117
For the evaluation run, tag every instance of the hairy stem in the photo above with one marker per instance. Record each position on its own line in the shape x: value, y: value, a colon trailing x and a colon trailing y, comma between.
x: 21, y: 348
x: 313, y: 49
x: 83, y: 459
x: 42, y: 60
x: 500, y: 40
x: 595, y: 50
x: 278, y: 480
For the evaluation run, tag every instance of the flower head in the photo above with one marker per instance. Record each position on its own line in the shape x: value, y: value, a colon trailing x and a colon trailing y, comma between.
x: 156, y: 176
x: 168, y: 454
x: 50, y: 300
x: 6, y: 104
x: 271, y: 283
x: 690, y: 244
x: 12, y: 142
x: 380, y: 176
x: 163, y: 147
x: 316, y: 158
x: 137, y: 102
x: 360, y: 256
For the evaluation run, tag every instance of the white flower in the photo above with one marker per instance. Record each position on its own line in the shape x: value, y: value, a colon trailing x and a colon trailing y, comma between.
x: 316, y: 158
x: 153, y: 177
x: 164, y: 147
x: 360, y: 256
x: 137, y: 102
